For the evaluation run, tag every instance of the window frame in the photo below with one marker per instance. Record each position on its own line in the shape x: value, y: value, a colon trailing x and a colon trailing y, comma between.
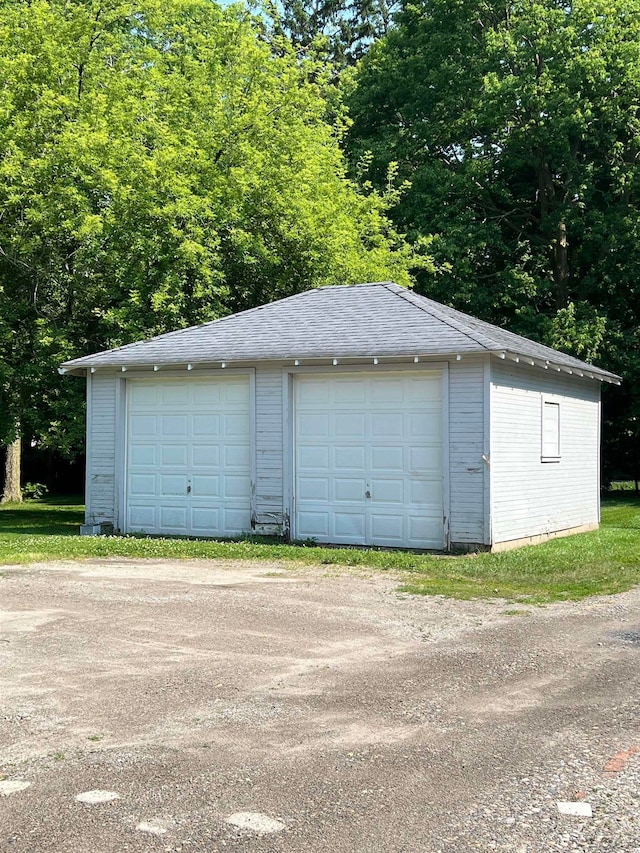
x: 550, y: 401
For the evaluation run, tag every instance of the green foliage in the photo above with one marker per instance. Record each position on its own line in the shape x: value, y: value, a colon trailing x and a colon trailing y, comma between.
x: 579, y: 330
x: 336, y: 31
x: 160, y: 166
x: 603, y: 562
x: 34, y: 491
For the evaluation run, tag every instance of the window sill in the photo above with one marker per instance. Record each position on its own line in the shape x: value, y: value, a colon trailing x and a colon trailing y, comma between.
x: 550, y: 458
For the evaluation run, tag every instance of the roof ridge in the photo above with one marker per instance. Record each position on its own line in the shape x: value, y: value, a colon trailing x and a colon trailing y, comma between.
x: 449, y: 321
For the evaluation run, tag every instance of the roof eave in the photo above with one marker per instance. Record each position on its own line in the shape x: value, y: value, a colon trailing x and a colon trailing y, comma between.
x: 588, y: 371
x: 80, y: 367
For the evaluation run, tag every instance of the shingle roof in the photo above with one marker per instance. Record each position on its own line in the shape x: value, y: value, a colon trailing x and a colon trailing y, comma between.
x: 365, y: 320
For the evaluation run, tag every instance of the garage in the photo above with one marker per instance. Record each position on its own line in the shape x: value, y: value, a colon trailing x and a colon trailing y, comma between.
x: 368, y: 458
x: 188, y: 454
x: 357, y: 415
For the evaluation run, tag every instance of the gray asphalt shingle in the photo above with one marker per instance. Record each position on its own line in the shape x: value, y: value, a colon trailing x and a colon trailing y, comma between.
x: 366, y: 320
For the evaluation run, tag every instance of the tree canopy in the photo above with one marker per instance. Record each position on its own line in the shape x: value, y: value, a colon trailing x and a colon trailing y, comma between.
x: 339, y: 31
x: 160, y: 165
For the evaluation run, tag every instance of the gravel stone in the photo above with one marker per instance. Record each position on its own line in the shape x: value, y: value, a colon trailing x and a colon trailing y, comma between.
x: 358, y: 718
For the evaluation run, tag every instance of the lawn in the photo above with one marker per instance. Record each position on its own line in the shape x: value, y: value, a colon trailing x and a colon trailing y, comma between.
x: 602, y: 562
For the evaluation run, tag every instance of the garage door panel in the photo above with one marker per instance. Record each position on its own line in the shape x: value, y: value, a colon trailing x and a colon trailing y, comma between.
x: 237, y: 521
x: 174, y: 395
x: 143, y: 454
x: 205, y: 426
x: 426, y: 426
x: 317, y: 392
x: 387, y: 491
x: 236, y: 456
x: 425, y: 529
x: 424, y: 389
x: 421, y: 492
x: 425, y: 459
x: 387, y: 425
x: 202, y: 485
x: 207, y: 395
x: 313, y: 488
x: 369, y: 460
x: 204, y: 520
x: 387, y: 392
x: 173, y: 426
x: 313, y: 425
x: 387, y: 528
x: 205, y: 487
x: 173, y: 519
x: 173, y: 484
x: 352, y: 489
x: 349, y: 458
x: 236, y: 425
x: 348, y: 424
x: 204, y: 455
x: 310, y: 458
x: 236, y: 487
x: 141, y: 396
x: 173, y: 454
x: 349, y: 391
x: 387, y: 458
x: 313, y: 524
x: 143, y: 425
x: 142, y: 484
x: 350, y: 526
x: 236, y: 394
x: 142, y: 517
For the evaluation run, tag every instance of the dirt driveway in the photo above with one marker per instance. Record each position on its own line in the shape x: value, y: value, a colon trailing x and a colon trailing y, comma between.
x: 248, y: 707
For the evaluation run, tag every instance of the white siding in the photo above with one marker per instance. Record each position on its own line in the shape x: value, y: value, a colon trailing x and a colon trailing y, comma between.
x: 530, y: 497
x: 101, y: 449
x: 269, y: 450
x: 467, y: 445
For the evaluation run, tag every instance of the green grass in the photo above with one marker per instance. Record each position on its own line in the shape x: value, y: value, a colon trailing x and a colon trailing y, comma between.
x: 602, y: 562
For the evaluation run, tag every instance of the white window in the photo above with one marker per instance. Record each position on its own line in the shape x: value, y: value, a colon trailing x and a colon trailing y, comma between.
x: 550, y: 431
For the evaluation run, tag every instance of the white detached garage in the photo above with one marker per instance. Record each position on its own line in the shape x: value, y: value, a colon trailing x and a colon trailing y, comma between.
x: 364, y: 415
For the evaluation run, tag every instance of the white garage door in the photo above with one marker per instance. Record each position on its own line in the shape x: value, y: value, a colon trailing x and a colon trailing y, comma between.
x: 368, y: 458
x: 188, y: 456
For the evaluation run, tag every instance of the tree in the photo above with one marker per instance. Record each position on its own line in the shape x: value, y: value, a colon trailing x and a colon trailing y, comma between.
x: 339, y: 31
x: 159, y: 167
x: 518, y: 125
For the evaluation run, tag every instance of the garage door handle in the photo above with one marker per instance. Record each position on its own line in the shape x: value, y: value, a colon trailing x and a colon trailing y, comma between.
x: 188, y: 490
x: 367, y: 494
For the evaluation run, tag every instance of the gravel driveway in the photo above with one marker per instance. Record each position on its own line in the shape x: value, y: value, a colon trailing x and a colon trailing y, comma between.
x: 239, y: 707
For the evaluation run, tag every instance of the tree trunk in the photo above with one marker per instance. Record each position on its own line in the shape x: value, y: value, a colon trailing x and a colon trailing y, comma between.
x: 561, y: 266
x: 12, y: 490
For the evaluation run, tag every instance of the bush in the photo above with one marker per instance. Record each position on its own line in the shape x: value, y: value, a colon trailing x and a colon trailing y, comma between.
x: 34, y: 491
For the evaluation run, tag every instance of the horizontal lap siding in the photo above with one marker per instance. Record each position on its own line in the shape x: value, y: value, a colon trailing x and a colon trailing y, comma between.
x: 269, y: 448
x: 101, y: 450
x: 531, y: 497
x: 466, y: 447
